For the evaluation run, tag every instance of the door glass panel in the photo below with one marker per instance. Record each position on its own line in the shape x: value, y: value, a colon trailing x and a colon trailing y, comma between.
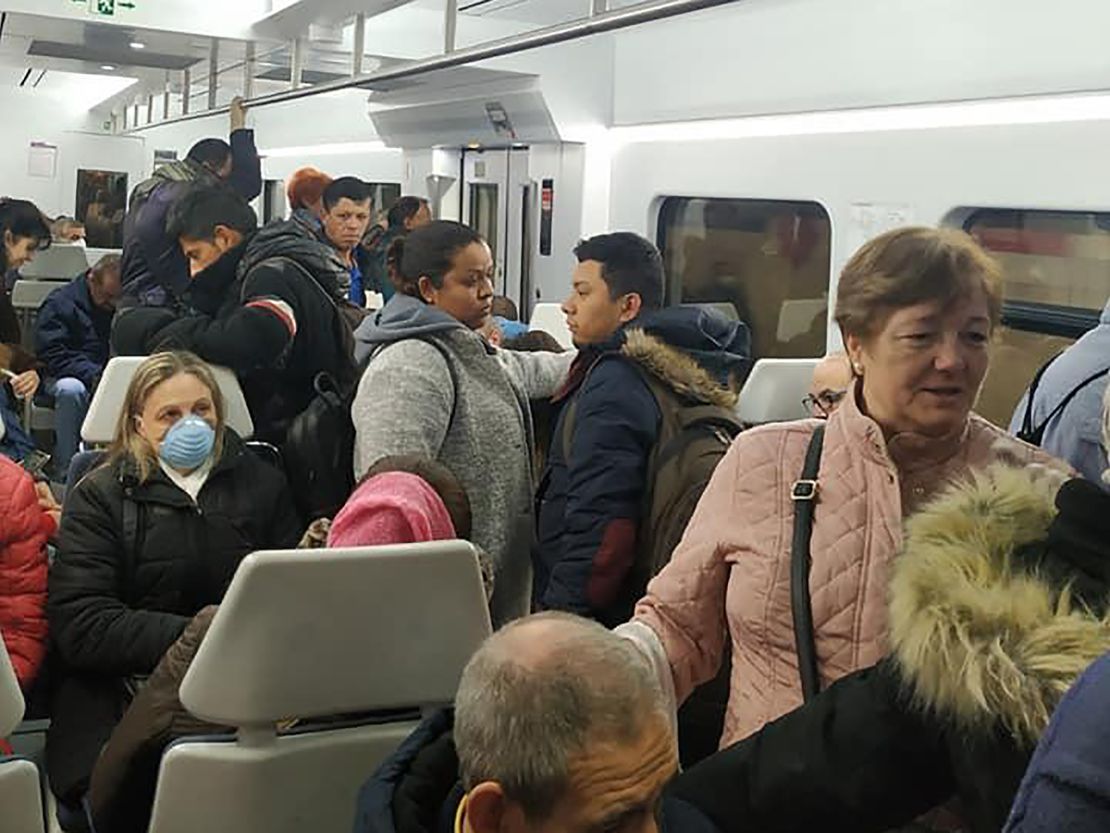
x: 768, y: 259
x: 483, y: 212
x: 101, y: 203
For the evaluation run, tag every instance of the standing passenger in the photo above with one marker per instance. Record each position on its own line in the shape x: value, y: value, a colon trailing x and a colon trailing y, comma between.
x: 406, y: 215
x: 148, y: 540
x: 434, y: 387
x: 305, y: 193
x: 345, y: 219
x: 917, y: 308
x: 155, y: 273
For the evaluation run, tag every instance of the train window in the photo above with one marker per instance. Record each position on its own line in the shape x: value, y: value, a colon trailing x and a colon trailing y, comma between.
x: 768, y: 259
x: 1056, y: 272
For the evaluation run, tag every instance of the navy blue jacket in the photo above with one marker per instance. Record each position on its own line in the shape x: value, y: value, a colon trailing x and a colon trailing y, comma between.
x: 589, y: 502
x: 71, y: 334
x: 155, y: 272
x: 1067, y: 785
x: 417, y: 789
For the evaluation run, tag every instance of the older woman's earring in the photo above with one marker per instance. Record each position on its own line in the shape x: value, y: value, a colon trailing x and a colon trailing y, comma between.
x: 858, y: 368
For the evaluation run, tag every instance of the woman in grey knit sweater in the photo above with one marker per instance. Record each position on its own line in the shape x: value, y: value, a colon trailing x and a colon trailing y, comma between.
x: 436, y: 388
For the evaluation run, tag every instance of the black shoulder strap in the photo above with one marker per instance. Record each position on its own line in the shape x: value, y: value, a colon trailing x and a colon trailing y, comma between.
x: 1027, y: 421
x: 1036, y: 437
x: 804, y: 495
x: 130, y: 533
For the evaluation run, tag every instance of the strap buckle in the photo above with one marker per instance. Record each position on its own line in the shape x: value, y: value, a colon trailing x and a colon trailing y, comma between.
x: 804, y: 490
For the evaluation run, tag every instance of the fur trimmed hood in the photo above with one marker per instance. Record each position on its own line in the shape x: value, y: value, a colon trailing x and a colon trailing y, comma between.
x: 676, y: 369
x: 979, y: 632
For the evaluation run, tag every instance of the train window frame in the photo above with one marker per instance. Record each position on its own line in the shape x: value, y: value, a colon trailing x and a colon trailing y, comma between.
x: 667, y: 208
x: 1032, y: 316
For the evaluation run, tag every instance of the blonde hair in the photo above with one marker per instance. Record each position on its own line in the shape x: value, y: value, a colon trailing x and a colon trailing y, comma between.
x: 909, y: 266
x: 159, y: 368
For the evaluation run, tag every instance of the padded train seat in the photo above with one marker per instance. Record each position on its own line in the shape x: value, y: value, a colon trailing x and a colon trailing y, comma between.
x: 61, y: 262
x: 314, y: 634
x: 550, y: 319
x: 21, y: 808
x: 774, y: 391
x: 99, y: 427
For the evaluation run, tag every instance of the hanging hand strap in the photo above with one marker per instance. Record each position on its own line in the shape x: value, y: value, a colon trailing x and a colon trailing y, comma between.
x: 804, y: 495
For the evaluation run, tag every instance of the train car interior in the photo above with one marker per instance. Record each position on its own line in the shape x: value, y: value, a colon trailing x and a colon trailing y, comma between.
x: 753, y: 146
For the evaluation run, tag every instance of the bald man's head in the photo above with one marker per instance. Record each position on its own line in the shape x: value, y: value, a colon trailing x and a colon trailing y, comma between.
x: 547, y: 693
x: 831, y: 379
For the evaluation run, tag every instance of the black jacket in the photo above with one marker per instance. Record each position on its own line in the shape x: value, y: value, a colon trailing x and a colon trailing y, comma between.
x: 996, y: 608
x: 590, y: 500
x: 114, y: 613
x: 417, y: 789
x: 154, y: 270
x: 268, y: 310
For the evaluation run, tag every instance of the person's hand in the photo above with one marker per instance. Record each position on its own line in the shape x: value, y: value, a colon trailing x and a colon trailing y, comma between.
x: 48, y: 503
x: 238, y: 114
x: 26, y: 384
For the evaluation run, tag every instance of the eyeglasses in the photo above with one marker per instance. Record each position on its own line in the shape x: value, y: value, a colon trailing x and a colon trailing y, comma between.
x: 823, y: 403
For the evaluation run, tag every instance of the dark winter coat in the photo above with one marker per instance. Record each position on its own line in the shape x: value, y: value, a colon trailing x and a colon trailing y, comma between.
x: 114, y: 613
x: 997, y: 606
x: 72, y: 334
x: 417, y: 789
x: 267, y: 310
x: 591, y: 496
x: 1067, y: 785
x: 154, y: 270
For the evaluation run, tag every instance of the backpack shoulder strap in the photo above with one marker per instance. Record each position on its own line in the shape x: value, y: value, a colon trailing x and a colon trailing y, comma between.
x: 804, y: 495
x: 1037, y: 435
x: 1027, y: 429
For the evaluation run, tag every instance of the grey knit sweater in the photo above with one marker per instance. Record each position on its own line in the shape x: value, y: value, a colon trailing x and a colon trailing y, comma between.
x: 436, y: 388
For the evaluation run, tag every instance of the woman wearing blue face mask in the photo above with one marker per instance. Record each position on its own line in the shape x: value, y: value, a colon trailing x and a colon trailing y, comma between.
x: 147, y: 540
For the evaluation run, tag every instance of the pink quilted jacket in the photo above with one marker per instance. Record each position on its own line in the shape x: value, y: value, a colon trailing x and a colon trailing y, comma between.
x: 730, y: 575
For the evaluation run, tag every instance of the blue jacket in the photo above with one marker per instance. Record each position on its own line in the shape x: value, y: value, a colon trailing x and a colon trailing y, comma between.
x: 1067, y: 785
x: 1075, y: 434
x: 155, y: 272
x: 71, y: 334
x: 588, y: 506
x: 417, y: 789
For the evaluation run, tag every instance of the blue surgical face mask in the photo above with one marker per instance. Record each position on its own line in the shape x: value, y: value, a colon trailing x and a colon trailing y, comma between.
x: 188, y: 443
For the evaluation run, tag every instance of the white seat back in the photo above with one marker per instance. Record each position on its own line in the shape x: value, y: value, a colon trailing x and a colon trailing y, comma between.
x: 775, y: 390
x: 29, y: 295
x: 21, y: 808
x: 61, y: 262
x: 549, y: 318
x: 316, y: 633
x: 100, y: 423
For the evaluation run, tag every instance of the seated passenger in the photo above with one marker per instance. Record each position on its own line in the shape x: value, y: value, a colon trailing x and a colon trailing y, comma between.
x: 265, y: 306
x: 23, y: 232
x: 832, y: 377
x: 406, y: 215
x: 917, y: 308
x: 557, y: 726
x: 1062, y: 410
x: 24, y: 531
x: 345, y: 219
x: 72, y: 331
x: 594, y: 550
x: 149, y: 539
x: 503, y: 307
x: 305, y: 193
x: 154, y: 271
x: 67, y: 231
x: 435, y: 388
x: 998, y: 602
x: 404, y: 500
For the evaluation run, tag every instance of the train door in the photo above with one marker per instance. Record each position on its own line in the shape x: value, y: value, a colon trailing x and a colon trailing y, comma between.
x: 498, y: 201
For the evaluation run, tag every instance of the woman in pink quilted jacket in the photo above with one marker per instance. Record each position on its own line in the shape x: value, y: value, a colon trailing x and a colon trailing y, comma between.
x: 917, y: 308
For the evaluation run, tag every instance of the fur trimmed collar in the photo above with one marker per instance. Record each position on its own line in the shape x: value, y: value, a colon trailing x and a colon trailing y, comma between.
x: 676, y: 369
x: 979, y: 633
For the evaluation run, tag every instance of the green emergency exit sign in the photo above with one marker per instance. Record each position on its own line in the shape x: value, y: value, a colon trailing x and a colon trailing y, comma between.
x: 105, y: 8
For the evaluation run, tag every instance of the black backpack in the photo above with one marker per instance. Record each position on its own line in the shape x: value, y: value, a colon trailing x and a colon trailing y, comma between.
x: 1034, y: 435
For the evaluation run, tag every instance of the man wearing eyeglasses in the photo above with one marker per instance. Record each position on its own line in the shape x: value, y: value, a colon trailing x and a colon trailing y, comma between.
x: 831, y: 379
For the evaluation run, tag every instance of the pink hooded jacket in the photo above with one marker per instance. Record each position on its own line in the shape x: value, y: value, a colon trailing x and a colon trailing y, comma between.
x: 730, y: 575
